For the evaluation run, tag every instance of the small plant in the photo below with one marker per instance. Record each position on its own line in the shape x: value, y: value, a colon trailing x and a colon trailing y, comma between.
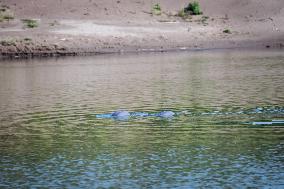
x: 227, y: 31
x: 4, y: 8
x: 157, y: 10
x: 8, y: 17
x: 27, y: 39
x: 7, y: 43
x: 30, y: 23
x: 193, y: 8
x: 181, y: 13
x: 5, y: 14
x: 54, y: 23
x: 184, y: 15
x: 204, y: 20
x: 190, y: 9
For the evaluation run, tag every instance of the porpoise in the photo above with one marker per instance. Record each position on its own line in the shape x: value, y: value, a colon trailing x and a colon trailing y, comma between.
x: 120, y: 114
x: 166, y: 114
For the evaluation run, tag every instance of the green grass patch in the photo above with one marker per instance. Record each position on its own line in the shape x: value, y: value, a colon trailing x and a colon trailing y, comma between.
x: 181, y: 13
x: 184, y: 15
x: 5, y: 14
x: 8, y: 17
x: 193, y: 8
x: 4, y: 8
x: 14, y: 42
x: 156, y: 9
x: 7, y: 43
x: 227, y: 31
x: 27, y: 39
x: 30, y: 23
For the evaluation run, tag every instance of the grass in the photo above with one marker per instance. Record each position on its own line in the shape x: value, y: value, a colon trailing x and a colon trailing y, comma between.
x: 191, y: 9
x: 54, y: 23
x: 14, y: 42
x: 181, y: 13
x: 227, y: 31
x: 204, y: 20
x: 7, y: 43
x: 8, y: 17
x: 30, y: 23
x: 27, y: 39
x: 156, y: 9
x: 6, y: 14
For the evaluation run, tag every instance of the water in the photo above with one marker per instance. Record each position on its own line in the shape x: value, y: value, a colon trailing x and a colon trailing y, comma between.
x: 228, y: 130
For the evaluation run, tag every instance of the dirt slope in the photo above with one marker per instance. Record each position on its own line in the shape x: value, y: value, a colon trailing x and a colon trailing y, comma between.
x: 72, y: 26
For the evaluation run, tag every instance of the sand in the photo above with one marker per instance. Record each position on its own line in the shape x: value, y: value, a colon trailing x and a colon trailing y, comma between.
x: 71, y: 27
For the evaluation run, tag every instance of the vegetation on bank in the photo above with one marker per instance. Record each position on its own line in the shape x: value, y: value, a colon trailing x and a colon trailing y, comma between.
x: 191, y: 9
x: 30, y: 23
x: 54, y: 23
x: 8, y: 43
x: 14, y: 42
x: 5, y: 13
x: 156, y: 9
x: 186, y: 13
x: 227, y: 31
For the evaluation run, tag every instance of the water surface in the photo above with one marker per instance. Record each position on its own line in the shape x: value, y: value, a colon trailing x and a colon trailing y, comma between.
x: 50, y: 135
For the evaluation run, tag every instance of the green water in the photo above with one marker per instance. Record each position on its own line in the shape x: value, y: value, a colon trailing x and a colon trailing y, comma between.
x: 50, y: 136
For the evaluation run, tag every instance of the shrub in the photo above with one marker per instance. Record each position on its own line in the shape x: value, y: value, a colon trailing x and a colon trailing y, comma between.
x: 7, y: 43
x: 227, y: 31
x: 193, y: 8
x: 27, y: 39
x: 8, y: 17
x: 157, y: 10
x: 181, y: 13
x: 30, y: 23
x: 204, y: 20
x: 5, y: 14
x: 190, y: 9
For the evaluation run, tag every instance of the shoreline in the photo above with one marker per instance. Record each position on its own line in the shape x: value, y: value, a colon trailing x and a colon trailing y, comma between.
x: 256, y: 45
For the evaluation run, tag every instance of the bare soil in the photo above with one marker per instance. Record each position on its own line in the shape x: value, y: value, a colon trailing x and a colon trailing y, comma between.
x: 71, y: 27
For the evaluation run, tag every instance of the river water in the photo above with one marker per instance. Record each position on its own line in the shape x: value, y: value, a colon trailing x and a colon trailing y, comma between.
x: 227, y: 132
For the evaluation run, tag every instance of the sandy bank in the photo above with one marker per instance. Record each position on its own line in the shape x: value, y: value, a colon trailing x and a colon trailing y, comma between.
x: 70, y: 27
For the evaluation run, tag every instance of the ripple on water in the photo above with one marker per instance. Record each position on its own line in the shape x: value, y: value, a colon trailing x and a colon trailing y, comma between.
x: 51, y: 136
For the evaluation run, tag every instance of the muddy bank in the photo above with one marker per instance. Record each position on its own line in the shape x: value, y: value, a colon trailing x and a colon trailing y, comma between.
x: 20, y: 50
